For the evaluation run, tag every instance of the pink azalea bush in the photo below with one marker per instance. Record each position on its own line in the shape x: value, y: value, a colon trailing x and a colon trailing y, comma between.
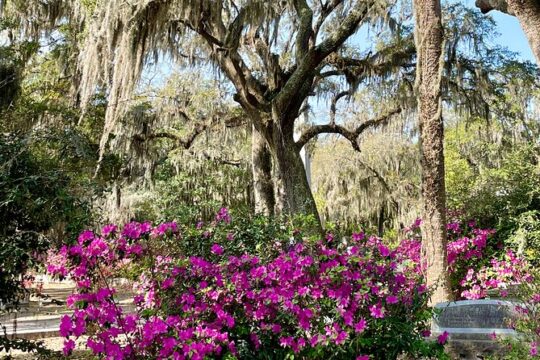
x: 479, y: 269
x: 476, y: 266
x: 204, y: 291
x: 358, y: 299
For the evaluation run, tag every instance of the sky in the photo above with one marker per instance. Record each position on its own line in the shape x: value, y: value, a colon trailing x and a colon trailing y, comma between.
x: 511, y: 34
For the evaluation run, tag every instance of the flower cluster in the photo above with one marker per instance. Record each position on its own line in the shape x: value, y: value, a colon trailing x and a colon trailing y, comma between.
x: 303, y: 301
x: 500, y: 274
x: 467, y: 247
x: 308, y: 299
x: 472, y: 261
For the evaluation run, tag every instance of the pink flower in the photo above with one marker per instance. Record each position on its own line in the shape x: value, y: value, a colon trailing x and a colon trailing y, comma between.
x: 223, y: 215
x: 130, y: 323
x: 255, y: 340
x: 391, y: 299
x: 533, y: 351
x: 66, y: 326
x: 108, y: 230
x: 383, y: 250
x: 69, y: 346
x: 80, y: 324
x: 441, y: 339
x: 376, y: 311
x: 85, y: 236
x: 217, y: 249
x: 167, y: 283
x: 276, y: 328
x: 96, y: 347
x: 362, y: 357
x: 360, y: 326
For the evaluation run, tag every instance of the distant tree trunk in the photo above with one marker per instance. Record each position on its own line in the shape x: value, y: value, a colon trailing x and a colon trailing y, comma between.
x: 293, y: 194
x: 380, y: 222
x: 261, y: 166
x: 429, y: 44
x: 528, y: 14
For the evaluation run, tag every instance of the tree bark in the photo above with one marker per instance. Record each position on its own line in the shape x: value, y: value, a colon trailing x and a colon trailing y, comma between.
x: 261, y: 166
x: 293, y: 194
x: 380, y: 222
x: 429, y: 44
x: 528, y: 14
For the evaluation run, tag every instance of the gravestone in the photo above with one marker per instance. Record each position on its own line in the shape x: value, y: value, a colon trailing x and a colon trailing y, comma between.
x: 475, y: 327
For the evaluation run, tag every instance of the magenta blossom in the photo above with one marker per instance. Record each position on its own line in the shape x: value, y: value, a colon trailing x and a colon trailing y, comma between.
x: 217, y: 249
x: 376, y: 311
x: 69, y: 346
x: 441, y: 339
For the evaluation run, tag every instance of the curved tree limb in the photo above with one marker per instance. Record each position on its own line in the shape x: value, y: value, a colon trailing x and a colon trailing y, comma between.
x: 333, y: 106
x: 486, y: 6
x: 380, y: 63
x: 184, y: 142
x: 187, y: 141
x: 351, y: 135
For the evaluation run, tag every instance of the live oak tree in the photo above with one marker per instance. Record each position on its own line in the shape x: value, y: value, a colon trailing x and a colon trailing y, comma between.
x: 275, y: 54
x: 429, y: 44
x: 526, y: 11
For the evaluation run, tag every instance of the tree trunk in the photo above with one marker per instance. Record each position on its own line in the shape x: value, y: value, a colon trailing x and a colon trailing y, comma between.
x: 429, y: 44
x: 380, y: 222
x: 528, y: 14
x: 293, y: 194
x: 261, y: 167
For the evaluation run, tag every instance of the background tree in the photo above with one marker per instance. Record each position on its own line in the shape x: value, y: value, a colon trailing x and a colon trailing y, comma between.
x: 429, y: 45
x: 271, y: 87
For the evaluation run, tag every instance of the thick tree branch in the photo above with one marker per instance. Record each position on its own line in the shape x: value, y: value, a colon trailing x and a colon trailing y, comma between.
x: 187, y: 141
x: 379, y: 64
x: 219, y: 160
x: 325, y: 74
x: 270, y: 62
x: 305, y: 70
x: 305, y: 17
x: 226, y: 55
x: 184, y: 142
x: 200, y: 29
x: 351, y: 135
x: 486, y: 6
x: 346, y: 29
x: 232, y: 40
x: 528, y: 14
